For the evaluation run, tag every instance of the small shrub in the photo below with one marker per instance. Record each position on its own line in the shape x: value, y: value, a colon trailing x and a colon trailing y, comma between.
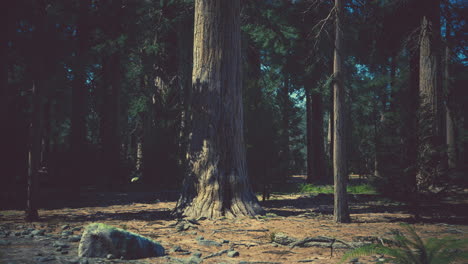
x: 413, y: 250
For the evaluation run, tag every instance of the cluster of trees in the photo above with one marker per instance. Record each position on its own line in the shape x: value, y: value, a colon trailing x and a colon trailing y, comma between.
x: 225, y: 95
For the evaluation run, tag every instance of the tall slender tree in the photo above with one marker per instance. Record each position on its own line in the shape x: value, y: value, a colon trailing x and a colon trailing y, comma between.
x: 340, y: 171
x: 36, y: 120
x: 217, y: 184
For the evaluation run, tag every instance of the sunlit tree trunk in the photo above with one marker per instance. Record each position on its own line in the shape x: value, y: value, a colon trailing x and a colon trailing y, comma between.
x: 430, y: 110
x: 216, y: 184
x: 340, y: 170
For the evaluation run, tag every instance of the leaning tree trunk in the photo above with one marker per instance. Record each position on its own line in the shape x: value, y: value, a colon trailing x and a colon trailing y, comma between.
x: 430, y: 125
x: 340, y: 212
x: 216, y: 184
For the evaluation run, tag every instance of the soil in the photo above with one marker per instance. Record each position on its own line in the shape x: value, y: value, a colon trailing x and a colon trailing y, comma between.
x: 297, y: 216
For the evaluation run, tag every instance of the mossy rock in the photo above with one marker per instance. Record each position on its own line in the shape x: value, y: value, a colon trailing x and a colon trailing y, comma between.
x: 99, y: 240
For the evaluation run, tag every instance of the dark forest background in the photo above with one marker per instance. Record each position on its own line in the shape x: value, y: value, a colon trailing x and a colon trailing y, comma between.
x: 94, y: 94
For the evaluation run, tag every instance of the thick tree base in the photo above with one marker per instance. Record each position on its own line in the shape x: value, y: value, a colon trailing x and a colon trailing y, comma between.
x: 203, y: 207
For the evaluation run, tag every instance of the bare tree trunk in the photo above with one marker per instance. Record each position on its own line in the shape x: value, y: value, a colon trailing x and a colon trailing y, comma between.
x: 449, y: 123
x: 34, y: 155
x: 340, y: 212
x: 330, y: 131
x: 217, y: 183
x: 430, y: 110
x: 316, y: 165
x: 284, y: 101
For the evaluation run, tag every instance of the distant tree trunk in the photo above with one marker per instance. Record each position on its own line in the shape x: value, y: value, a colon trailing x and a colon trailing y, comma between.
x: 430, y: 110
x: 37, y: 65
x: 217, y: 184
x: 340, y: 170
x: 46, y: 137
x: 78, y: 120
x: 449, y: 122
x: 285, y: 120
x: 110, y: 120
x: 330, y: 132
x: 34, y: 155
x: 139, y: 154
x: 316, y: 165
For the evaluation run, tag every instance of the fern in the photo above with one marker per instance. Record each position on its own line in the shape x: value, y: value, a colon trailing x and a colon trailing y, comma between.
x: 412, y: 249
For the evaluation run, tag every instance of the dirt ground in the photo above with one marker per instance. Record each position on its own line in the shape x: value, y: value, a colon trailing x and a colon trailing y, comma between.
x: 297, y: 216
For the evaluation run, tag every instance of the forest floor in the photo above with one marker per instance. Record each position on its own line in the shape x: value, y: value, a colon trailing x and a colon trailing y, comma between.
x: 295, y: 215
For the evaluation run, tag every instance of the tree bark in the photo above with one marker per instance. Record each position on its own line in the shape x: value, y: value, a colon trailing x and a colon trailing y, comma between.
x: 217, y: 184
x: 430, y: 110
x: 285, y: 120
x: 330, y: 132
x: 316, y: 165
x: 340, y: 212
x: 449, y: 122
x: 38, y: 62
x: 34, y: 155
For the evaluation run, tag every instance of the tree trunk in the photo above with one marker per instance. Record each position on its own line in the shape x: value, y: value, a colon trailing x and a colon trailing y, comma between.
x: 430, y: 125
x: 316, y: 165
x: 340, y: 212
x: 34, y: 155
x: 330, y: 132
x: 217, y: 183
x: 449, y: 123
x: 78, y: 120
x: 285, y: 120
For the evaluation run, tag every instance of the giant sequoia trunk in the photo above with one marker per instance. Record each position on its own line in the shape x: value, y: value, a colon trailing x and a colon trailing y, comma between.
x: 216, y: 184
x: 340, y: 170
x: 430, y: 110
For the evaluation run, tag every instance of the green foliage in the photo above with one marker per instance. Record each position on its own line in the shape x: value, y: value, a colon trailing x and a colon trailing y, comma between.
x: 412, y: 249
x: 328, y: 189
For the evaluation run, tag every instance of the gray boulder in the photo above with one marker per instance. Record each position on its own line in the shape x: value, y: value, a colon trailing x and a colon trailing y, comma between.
x: 282, y: 239
x: 100, y: 240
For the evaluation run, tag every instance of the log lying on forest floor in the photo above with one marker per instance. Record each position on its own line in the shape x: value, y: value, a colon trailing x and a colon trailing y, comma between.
x: 100, y: 240
x: 318, y: 241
